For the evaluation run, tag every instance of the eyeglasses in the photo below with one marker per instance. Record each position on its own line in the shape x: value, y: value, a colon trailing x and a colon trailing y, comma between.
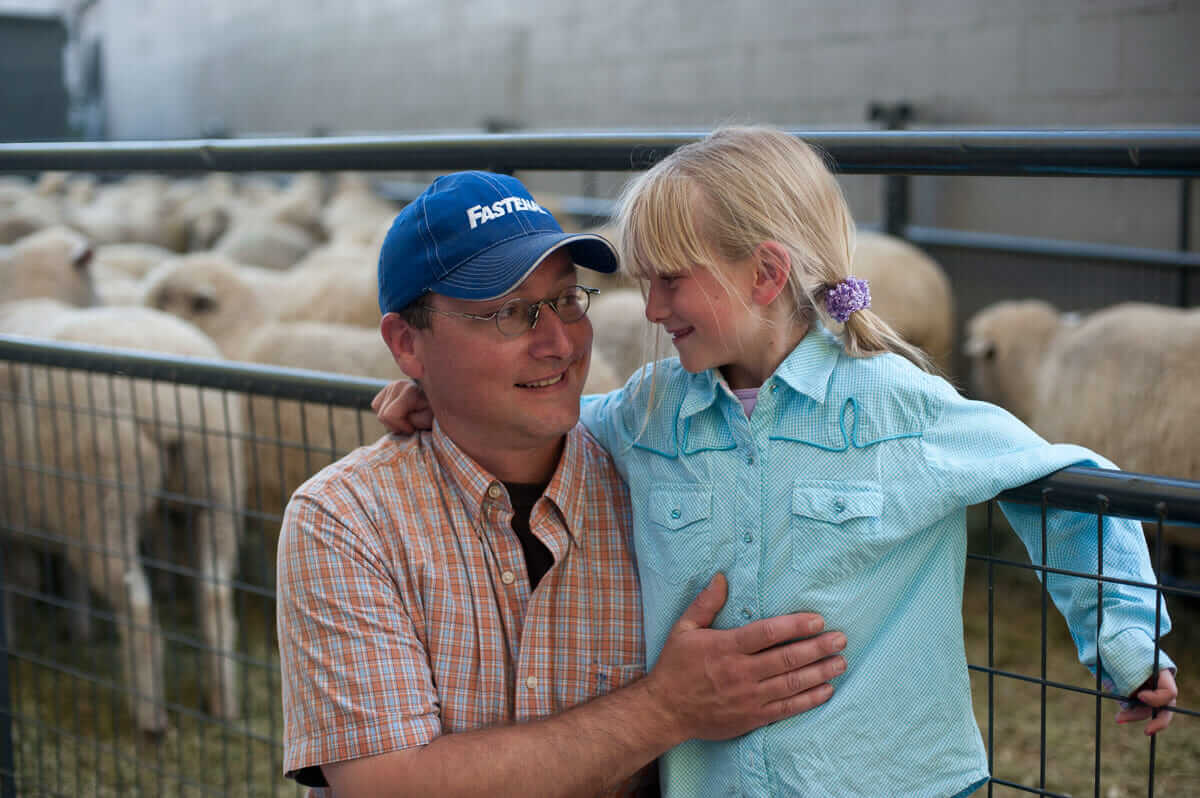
x: 517, y: 316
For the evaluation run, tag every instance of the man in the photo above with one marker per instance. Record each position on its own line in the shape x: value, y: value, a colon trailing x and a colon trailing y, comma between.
x: 459, y: 611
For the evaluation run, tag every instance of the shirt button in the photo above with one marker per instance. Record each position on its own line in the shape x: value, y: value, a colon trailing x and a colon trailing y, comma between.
x: 675, y: 513
x: 747, y: 613
x: 507, y: 577
x: 494, y: 491
x: 839, y: 505
x: 774, y: 388
x: 748, y: 537
x: 531, y: 682
x: 749, y: 459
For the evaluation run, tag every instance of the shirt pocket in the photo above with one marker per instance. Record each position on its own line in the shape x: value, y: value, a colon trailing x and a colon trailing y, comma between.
x: 835, y: 528
x: 678, y: 539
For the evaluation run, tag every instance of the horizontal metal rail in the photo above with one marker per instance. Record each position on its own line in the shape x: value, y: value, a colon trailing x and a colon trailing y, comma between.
x: 287, y: 383
x: 1127, y: 494
x: 1050, y: 247
x: 1170, y: 152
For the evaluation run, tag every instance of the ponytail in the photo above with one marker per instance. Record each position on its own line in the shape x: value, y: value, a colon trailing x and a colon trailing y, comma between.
x: 866, y: 334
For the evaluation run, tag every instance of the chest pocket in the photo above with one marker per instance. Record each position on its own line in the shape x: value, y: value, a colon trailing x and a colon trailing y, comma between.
x: 835, y: 529
x: 677, y: 543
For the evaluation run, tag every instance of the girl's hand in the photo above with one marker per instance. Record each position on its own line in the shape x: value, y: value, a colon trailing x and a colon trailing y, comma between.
x: 1164, y: 696
x: 403, y: 408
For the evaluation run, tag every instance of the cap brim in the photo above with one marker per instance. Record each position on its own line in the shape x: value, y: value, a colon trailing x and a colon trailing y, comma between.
x: 496, y: 271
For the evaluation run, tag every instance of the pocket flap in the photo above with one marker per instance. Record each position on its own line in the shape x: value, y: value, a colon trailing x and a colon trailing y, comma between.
x: 676, y: 506
x: 836, y: 501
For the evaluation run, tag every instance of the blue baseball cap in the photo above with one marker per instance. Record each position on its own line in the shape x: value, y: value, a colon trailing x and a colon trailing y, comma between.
x: 475, y: 235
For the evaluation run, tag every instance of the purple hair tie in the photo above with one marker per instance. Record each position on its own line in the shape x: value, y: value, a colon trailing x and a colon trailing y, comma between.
x: 846, y: 297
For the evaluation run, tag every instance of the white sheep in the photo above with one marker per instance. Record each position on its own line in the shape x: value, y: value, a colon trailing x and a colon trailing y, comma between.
x: 87, y: 460
x: 54, y: 262
x: 229, y: 302
x: 355, y: 213
x: 24, y: 210
x: 1118, y: 380
x: 910, y: 291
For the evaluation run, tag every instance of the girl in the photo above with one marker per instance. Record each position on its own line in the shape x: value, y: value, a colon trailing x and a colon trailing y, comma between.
x: 801, y: 447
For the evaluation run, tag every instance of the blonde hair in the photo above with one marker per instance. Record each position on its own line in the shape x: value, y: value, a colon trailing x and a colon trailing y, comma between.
x: 716, y: 200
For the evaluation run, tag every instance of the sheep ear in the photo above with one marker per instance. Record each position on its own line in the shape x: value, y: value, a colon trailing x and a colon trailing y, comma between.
x: 82, y: 257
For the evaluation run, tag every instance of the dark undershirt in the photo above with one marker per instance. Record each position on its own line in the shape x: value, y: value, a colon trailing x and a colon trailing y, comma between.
x: 538, y: 558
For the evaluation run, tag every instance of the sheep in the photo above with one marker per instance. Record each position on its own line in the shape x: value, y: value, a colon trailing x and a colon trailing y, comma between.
x: 909, y: 291
x: 94, y: 436
x: 1116, y: 380
x: 54, y: 262
x: 136, y: 209
x: 228, y: 301
x: 257, y: 240
x: 355, y: 213
x: 23, y: 210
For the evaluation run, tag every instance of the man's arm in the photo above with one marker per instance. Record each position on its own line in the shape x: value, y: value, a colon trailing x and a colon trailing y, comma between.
x: 713, y: 684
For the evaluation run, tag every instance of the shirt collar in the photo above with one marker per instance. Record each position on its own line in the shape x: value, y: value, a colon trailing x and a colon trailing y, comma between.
x: 809, y: 367
x: 473, y: 482
x: 807, y: 370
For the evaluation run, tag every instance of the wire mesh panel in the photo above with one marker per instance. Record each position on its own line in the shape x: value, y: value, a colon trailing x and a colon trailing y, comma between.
x: 1048, y: 723
x: 139, y: 519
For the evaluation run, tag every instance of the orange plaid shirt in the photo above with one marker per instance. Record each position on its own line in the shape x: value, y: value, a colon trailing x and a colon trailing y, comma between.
x: 404, y: 609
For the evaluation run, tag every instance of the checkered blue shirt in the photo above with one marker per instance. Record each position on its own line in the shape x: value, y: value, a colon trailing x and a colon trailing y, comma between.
x: 845, y: 494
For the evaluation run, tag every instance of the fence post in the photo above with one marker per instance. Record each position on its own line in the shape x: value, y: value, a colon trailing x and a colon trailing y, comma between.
x: 1185, y: 236
x: 895, y: 187
x: 8, y: 772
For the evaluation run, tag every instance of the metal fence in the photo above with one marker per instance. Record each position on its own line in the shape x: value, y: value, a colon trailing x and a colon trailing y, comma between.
x: 108, y: 688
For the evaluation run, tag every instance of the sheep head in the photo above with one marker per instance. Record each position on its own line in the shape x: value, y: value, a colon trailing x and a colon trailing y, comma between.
x: 210, y: 292
x: 54, y: 263
x: 1006, y: 344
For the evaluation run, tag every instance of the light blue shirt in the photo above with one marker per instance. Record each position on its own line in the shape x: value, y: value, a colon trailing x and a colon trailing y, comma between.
x: 845, y: 494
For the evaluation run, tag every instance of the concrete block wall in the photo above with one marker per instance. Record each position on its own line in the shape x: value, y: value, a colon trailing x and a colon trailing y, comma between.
x: 255, y: 66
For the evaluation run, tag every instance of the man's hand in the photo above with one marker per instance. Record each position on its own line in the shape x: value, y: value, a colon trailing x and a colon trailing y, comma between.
x: 716, y: 684
x: 402, y: 407
x: 1164, y: 696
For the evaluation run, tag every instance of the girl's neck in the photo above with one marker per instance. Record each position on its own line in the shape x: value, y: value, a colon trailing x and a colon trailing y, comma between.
x: 753, y: 369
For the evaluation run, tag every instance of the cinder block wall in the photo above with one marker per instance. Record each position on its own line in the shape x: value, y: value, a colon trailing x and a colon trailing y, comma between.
x: 180, y: 69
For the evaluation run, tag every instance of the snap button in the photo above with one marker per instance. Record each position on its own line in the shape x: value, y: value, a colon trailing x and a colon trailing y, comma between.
x: 531, y: 682
x: 507, y: 577
x: 494, y: 491
x: 675, y: 513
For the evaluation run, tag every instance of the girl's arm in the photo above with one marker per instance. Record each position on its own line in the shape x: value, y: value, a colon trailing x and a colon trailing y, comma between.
x: 975, y: 450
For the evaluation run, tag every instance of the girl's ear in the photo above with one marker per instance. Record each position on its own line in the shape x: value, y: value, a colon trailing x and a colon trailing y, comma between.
x: 772, y: 269
x: 401, y: 340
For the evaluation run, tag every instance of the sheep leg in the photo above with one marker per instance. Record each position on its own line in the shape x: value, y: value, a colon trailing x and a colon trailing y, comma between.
x: 217, y: 554
x: 80, y: 599
x: 119, y: 578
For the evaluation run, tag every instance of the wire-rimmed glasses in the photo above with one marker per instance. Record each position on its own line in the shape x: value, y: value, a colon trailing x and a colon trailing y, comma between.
x: 517, y: 316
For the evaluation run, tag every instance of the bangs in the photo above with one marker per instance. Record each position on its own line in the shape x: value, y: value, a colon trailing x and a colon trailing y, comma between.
x: 661, y: 227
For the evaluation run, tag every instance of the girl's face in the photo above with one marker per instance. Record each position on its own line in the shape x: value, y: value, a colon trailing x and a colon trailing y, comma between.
x: 710, y: 324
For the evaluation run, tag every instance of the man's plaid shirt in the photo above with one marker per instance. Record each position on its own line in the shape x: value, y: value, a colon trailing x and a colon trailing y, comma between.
x: 404, y: 609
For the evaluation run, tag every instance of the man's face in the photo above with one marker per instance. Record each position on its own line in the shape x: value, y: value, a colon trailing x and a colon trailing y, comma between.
x: 496, y: 394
